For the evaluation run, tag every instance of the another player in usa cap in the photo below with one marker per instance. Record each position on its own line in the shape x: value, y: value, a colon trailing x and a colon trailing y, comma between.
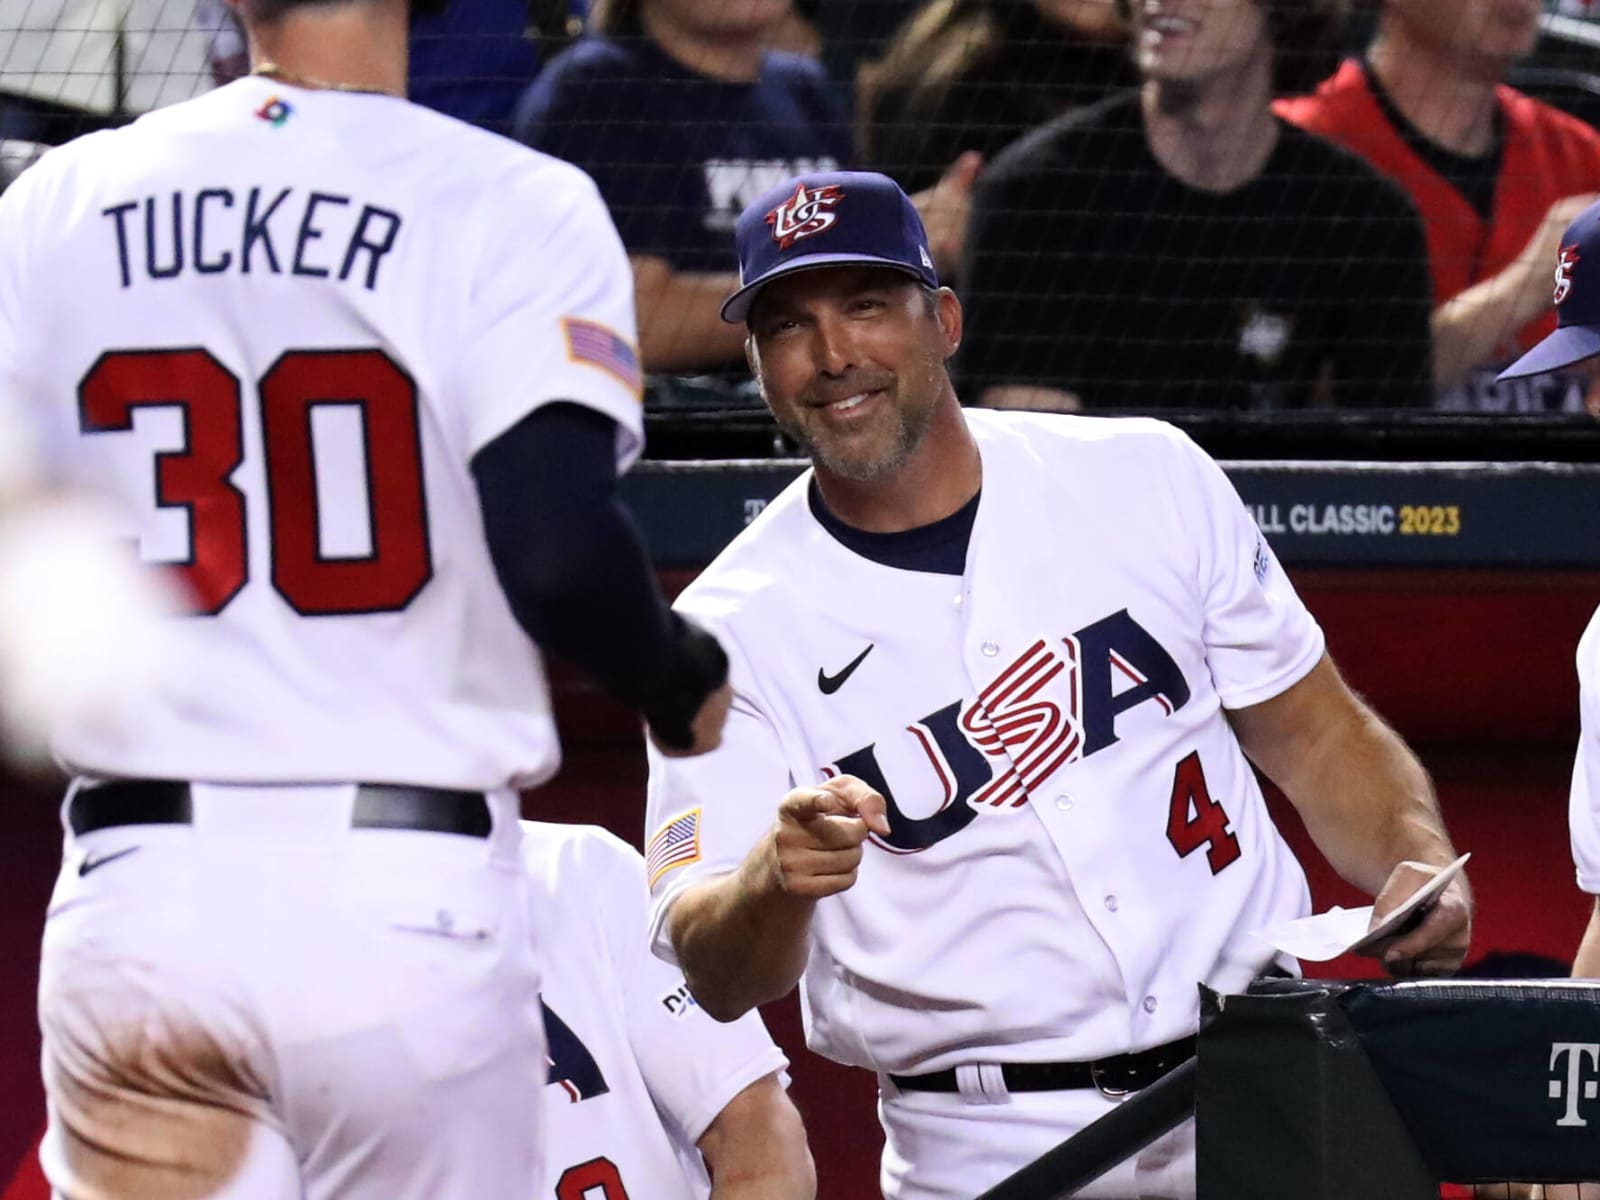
x: 825, y: 219
x: 1577, y: 300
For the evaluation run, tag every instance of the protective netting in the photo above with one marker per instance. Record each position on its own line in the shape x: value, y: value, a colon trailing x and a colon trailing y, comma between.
x: 1129, y: 226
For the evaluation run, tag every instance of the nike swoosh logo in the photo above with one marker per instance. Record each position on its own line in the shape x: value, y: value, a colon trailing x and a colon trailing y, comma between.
x: 94, y: 864
x: 832, y: 683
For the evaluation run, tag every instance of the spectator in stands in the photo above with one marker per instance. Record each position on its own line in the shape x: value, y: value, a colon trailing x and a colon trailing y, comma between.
x: 974, y: 75
x: 682, y: 114
x: 1495, y: 174
x: 1180, y: 247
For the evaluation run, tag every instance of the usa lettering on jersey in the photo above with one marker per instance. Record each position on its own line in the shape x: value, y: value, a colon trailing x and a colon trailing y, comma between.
x: 1056, y: 702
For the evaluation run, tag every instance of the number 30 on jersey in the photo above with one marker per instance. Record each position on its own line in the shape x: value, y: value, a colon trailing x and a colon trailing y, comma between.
x: 197, y: 478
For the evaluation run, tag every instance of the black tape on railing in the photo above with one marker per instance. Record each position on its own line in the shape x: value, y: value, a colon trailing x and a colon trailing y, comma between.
x: 1102, y: 1144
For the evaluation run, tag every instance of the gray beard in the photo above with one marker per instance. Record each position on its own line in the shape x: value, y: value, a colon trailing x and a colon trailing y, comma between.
x: 906, y: 439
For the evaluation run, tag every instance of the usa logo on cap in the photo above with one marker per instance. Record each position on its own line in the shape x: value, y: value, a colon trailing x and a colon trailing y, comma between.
x: 809, y: 211
x: 1565, y: 261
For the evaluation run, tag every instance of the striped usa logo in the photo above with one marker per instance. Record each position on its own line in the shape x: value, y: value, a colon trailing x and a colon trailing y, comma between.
x: 1011, y: 720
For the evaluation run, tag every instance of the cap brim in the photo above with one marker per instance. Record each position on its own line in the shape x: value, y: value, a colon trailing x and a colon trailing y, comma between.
x: 737, y: 306
x: 1561, y: 349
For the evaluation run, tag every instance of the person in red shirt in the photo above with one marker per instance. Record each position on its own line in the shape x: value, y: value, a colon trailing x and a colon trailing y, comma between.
x: 1496, y: 175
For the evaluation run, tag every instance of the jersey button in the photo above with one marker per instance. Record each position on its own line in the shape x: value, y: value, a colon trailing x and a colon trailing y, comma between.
x: 990, y: 649
x: 1064, y: 803
x: 1150, y: 1004
x: 959, y: 601
x: 1111, y: 904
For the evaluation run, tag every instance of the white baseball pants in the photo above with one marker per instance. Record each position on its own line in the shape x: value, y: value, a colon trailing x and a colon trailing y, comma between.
x: 267, y: 1004
x: 940, y: 1146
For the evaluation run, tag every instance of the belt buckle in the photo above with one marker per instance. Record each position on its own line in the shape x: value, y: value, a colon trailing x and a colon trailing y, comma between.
x: 1098, y: 1071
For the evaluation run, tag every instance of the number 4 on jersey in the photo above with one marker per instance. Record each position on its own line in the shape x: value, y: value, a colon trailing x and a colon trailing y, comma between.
x: 1196, y: 820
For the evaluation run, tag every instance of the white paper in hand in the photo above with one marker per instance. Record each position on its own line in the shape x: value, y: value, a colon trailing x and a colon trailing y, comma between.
x: 1321, y: 937
x: 1339, y: 930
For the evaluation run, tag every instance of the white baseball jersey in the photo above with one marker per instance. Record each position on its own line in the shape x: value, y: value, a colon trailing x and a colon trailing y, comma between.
x: 1076, y: 836
x: 1584, y: 812
x: 277, y: 323
x: 638, y: 1070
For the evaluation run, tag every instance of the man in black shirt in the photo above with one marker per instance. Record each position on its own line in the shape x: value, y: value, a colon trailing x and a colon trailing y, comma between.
x: 1181, y: 248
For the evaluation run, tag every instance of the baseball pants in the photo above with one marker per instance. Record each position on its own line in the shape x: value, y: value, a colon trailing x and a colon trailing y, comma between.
x: 941, y: 1146
x: 268, y: 1004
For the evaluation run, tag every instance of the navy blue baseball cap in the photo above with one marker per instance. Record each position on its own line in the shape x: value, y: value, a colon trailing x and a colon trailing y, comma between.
x: 825, y: 219
x: 1577, y: 299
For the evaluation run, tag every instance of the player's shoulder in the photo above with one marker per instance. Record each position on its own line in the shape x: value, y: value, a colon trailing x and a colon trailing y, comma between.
x: 1074, y: 455
x: 1040, y: 433
x: 526, y: 192
x: 767, y: 557
x: 560, y: 854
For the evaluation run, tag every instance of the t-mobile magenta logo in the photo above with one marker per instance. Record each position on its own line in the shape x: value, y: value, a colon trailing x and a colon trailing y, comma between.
x: 1572, y: 1085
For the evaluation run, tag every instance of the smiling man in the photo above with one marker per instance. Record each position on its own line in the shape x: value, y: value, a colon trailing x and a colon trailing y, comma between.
x: 1001, y: 675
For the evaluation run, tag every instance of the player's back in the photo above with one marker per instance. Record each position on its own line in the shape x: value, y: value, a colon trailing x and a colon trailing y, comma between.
x: 277, y: 323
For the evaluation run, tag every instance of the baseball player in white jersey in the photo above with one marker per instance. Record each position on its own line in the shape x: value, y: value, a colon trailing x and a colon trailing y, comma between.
x: 1575, y: 346
x: 646, y: 1091
x: 363, y: 377
x: 1004, y: 676
x: 1584, y: 812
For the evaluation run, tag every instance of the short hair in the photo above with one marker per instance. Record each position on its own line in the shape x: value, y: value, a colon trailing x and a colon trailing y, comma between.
x: 1305, y: 37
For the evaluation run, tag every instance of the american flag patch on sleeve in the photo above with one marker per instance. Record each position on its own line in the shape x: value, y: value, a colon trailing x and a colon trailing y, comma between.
x: 675, y: 844
x: 599, y: 346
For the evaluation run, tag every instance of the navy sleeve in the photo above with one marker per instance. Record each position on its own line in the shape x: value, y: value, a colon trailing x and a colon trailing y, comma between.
x: 576, y: 574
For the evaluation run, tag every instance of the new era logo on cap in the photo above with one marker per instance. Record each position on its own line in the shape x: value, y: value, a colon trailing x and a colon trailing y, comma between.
x: 808, y: 211
x: 825, y: 219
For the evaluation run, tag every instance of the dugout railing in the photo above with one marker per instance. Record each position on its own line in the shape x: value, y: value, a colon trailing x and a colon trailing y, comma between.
x: 1331, y: 1091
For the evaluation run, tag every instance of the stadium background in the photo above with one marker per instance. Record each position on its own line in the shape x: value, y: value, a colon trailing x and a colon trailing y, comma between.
x: 1468, y: 653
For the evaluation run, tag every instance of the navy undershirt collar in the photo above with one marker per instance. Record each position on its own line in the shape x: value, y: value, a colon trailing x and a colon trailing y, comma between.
x: 939, y: 548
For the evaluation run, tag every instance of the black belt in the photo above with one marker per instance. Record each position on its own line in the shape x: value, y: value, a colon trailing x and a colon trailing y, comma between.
x: 377, y: 806
x: 1114, y: 1076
